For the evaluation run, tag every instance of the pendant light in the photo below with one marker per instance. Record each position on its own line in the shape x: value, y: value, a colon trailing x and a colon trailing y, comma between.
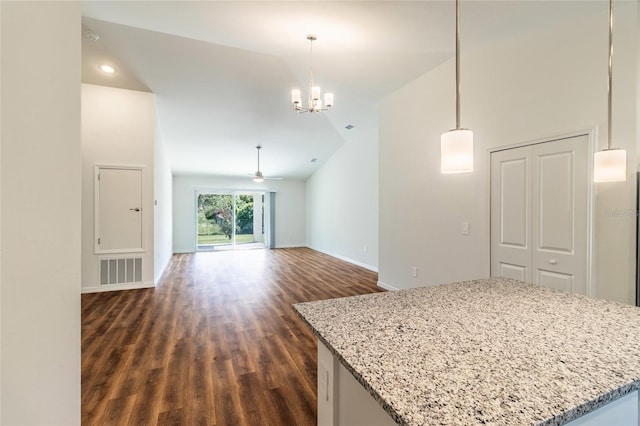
x: 456, y: 146
x: 610, y: 165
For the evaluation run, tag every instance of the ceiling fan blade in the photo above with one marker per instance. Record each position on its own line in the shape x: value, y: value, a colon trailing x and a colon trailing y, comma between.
x: 272, y: 178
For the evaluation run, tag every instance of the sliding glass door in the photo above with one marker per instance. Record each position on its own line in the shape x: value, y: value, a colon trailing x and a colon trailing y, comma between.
x: 227, y: 221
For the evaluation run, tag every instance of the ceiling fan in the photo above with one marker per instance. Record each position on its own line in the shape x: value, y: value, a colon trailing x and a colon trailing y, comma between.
x: 257, y: 176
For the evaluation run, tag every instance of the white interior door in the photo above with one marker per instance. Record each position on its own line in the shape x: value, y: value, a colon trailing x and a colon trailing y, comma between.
x: 560, y: 214
x: 539, y: 214
x: 119, y: 209
x: 511, y: 214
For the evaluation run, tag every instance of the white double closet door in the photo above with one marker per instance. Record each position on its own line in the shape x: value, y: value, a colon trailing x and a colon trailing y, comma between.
x: 539, y: 212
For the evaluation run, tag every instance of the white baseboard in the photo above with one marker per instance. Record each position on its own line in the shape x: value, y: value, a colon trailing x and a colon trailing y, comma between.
x: 277, y: 246
x: 347, y: 259
x: 387, y: 286
x: 115, y: 287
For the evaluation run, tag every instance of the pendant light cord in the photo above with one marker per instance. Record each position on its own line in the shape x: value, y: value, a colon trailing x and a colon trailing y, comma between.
x: 457, y: 64
x: 610, y: 82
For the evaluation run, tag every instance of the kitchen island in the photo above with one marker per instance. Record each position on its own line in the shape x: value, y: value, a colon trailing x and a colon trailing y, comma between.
x: 494, y: 351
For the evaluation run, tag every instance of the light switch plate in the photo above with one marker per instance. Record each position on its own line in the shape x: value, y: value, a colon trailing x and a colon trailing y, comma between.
x: 465, y: 228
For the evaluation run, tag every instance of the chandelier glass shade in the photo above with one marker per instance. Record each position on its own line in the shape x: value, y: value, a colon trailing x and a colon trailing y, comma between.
x: 314, y: 102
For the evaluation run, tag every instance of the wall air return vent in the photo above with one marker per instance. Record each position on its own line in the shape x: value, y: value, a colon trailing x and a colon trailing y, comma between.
x: 121, y: 270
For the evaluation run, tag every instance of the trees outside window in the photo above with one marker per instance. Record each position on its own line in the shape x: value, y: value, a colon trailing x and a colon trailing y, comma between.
x: 215, y: 218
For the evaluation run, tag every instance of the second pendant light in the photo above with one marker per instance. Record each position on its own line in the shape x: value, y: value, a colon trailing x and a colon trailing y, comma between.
x: 456, y: 146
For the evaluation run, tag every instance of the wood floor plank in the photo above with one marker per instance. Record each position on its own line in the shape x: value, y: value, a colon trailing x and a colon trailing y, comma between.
x: 217, y: 342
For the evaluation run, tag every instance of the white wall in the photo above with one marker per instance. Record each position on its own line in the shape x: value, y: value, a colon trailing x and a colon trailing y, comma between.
x: 342, y: 201
x: 290, y: 208
x: 117, y: 129
x: 163, y: 227
x: 40, y: 211
x: 517, y: 90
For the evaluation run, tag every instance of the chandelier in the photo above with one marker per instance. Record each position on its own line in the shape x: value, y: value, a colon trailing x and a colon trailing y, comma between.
x: 314, y: 104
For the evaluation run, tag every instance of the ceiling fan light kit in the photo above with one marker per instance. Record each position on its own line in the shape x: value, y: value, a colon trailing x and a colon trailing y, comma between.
x: 314, y: 103
x: 456, y: 146
x: 610, y: 165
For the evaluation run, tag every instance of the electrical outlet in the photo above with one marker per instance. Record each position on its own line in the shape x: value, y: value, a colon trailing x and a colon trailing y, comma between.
x: 414, y: 271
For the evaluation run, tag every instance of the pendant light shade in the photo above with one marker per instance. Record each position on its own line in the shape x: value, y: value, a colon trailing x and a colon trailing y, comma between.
x: 456, y: 149
x: 456, y: 146
x: 610, y: 165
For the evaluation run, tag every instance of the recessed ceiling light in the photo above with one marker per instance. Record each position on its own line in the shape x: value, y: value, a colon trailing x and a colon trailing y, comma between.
x: 107, y: 68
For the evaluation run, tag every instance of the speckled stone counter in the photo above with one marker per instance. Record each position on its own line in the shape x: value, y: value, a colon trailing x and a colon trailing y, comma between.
x: 493, y: 351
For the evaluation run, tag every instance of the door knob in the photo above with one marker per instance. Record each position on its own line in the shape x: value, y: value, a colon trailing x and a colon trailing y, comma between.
x: 135, y: 210
x: 553, y: 261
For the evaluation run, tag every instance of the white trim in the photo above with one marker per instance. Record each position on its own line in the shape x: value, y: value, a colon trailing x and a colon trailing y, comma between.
x: 290, y: 246
x: 119, y: 251
x: 347, y: 259
x: 591, y: 205
x: 115, y: 287
x: 387, y: 286
x: 558, y: 137
x: 592, y: 137
x: 183, y: 251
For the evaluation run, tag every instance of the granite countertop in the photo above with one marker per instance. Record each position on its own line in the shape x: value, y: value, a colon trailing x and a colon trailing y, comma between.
x: 495, y: 351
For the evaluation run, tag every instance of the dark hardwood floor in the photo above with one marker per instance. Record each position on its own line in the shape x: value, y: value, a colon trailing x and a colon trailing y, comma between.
x: 216, y: 342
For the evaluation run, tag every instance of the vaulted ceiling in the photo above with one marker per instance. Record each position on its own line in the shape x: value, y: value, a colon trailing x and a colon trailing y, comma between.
x: 222, y: 71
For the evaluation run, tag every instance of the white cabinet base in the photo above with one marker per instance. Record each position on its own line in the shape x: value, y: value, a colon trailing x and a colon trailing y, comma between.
x: 342, y: 401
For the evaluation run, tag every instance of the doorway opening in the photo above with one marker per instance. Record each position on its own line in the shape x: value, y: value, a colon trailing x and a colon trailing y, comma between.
x: 230, y: 221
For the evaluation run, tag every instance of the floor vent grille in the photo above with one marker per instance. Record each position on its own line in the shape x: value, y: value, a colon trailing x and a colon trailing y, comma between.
x: 120, y: 270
